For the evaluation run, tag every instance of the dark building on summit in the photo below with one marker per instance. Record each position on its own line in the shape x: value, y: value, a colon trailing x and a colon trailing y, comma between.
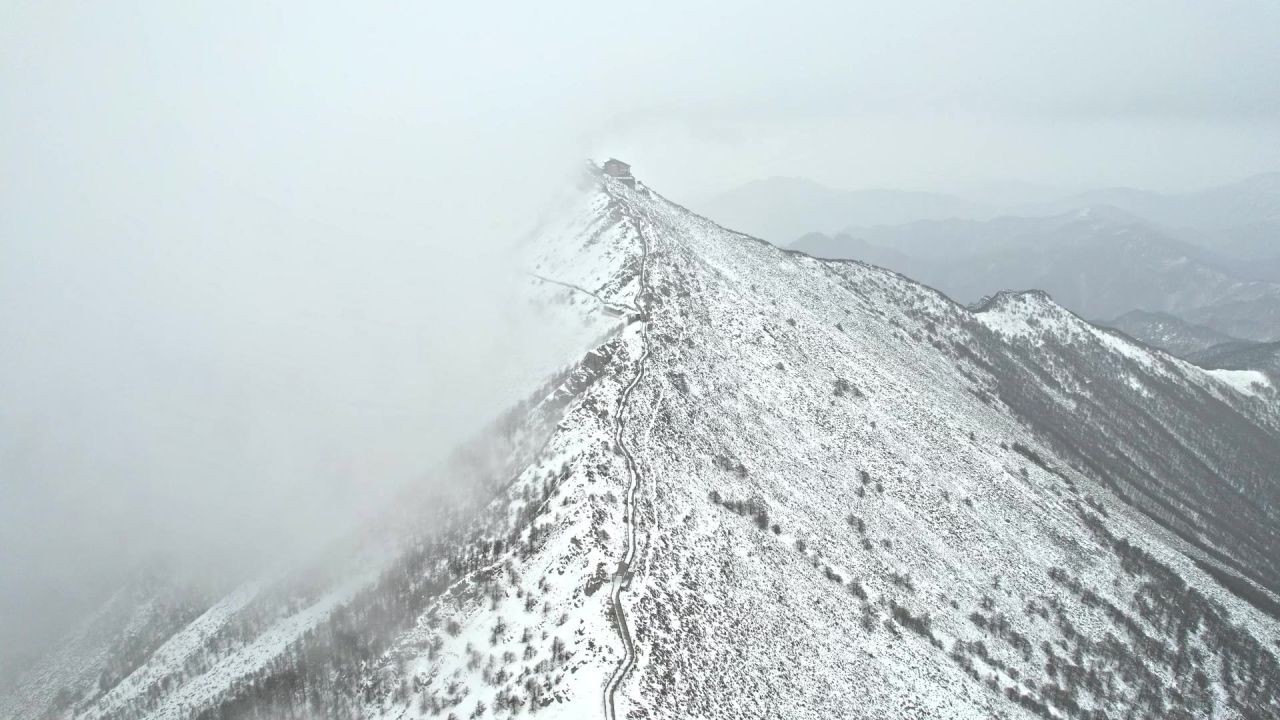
x: 622, y: 171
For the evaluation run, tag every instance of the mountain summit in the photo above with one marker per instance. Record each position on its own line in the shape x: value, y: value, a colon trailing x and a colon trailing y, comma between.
x: 770, y: 486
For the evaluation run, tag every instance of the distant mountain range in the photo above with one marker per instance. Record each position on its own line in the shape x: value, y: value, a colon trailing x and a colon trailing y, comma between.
x: 781, y: 209
x: 1100, y: 262
x: 1250, y: 203
x: 1172, y: 334
x: 1239, y: 219
x: 1185, y: 272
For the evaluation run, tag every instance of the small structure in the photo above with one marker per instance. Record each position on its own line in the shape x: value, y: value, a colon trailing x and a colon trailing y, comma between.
x: 616, y: 168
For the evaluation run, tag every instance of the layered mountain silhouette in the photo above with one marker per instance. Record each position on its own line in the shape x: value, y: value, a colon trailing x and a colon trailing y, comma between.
x: 781, y: 209
x: 1100, y: 262
x: 1172, y: 333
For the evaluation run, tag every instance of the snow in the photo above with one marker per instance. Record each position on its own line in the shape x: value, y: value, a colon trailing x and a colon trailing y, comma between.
x: 260, y: 652
x: 168, y: 659
x: 1126, y: 348
x: 1248, y: 382
x: 867, y: 418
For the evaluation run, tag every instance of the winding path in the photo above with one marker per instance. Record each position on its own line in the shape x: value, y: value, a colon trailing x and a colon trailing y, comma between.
x: 611, y: 307
x: 622, y: 577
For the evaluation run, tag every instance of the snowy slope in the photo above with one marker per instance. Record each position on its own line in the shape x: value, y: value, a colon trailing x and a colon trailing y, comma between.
x: 1249, y: 382
x: 1263, y: 357
x: 833, y: 493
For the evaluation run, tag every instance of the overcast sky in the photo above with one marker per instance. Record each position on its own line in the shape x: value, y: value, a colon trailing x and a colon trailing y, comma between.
x: 253, y: 255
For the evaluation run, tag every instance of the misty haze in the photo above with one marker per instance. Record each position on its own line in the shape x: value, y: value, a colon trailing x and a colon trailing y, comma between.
x: 585, y: 360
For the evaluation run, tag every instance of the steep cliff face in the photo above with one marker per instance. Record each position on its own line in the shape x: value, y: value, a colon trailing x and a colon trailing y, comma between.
x: 776, y: 486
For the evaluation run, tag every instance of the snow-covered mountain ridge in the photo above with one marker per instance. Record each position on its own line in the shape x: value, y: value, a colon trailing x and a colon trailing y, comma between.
x: 831, y: 492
